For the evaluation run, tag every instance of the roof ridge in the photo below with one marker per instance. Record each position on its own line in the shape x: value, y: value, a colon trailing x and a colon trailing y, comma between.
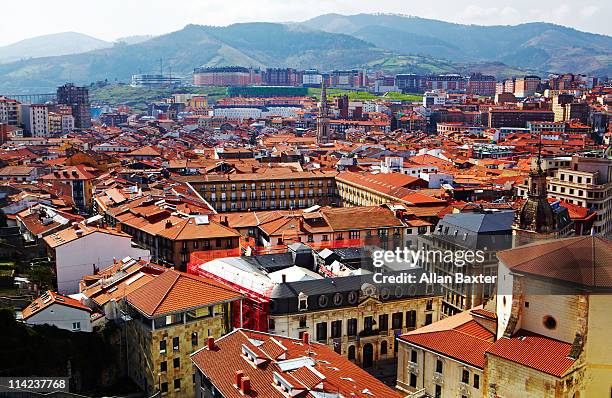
x: 177, y: 275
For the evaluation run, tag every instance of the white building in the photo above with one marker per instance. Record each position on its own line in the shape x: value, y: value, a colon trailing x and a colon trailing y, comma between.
x: 241, y: 113
x: 81, y: 250
x: 60, y: 311
x: 35, y: 118
x: 432, y: 98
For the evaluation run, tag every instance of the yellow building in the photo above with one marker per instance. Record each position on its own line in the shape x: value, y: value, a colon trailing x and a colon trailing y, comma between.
x: 172, y: 316
x: 280, y: 188
x: 544, y: 335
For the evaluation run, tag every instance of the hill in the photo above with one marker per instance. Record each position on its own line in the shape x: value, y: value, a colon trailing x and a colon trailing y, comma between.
x: 53, y: 44
x: 248, y: 44
x: 540, y: 46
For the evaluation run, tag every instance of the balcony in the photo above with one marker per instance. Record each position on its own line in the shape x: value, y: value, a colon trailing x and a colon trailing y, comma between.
x: 369, y: 332
x: 465, y: 389
x: 438, y: 378
x: 413, y: 368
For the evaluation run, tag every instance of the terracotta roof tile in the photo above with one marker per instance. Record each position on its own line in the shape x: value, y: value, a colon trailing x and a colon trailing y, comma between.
x: 535, y: 351
x: 175, y: 291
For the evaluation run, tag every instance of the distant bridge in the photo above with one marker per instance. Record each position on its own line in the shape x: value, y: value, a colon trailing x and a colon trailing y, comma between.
x: 33, y: 98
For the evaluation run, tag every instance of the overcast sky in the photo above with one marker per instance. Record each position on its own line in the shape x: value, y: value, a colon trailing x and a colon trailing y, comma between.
x: 111, y: 19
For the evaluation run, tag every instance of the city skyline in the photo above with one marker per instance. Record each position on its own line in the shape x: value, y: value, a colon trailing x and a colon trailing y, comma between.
x: 154, y: 18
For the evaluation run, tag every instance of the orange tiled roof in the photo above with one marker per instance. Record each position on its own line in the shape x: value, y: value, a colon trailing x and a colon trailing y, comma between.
x: 317, y: 365
x: 50, y: 298
x: 535, y: 351
x: 175, y: 291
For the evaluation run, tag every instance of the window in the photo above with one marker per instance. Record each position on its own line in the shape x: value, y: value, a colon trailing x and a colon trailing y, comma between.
x: 164, y: 387
x: 428, y: 319
x: 76, y: 326
x: 351, y: 353
x: 368, y: 322
x: 351, y: 328
x: 303, y: 302
x: 271, y: 324
x: 383, y: 348
x: 163, y: 366
x: 465, y: 376
x: 336, y: 329
x: 476, y: 381
x: 302, y: 322
x: 176, y: 363
x: 162, y: 346
x: 175, y: 343
x: 411, y: 318
x: 194, y: 339
x: 413, y: 380
x: 322, y: 331
x: 177, y: 384
x: 414, y: 355
x: 397, y: 320
x: 438, y: 393
x: 383, y: 322
x: 550, y: 322
x: 439, y: 366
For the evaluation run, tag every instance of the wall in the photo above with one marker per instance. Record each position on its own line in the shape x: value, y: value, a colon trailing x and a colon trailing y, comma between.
x: 62, y: 316
x: 76, y: 259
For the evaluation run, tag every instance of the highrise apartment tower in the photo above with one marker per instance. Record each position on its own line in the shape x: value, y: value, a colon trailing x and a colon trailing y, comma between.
x: 78, y: 99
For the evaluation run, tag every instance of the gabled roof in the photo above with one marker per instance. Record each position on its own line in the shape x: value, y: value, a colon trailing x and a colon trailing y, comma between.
x: 175, y: 291
x: 314, y: 369
x: 459, y: 337
x: 535, y: 351
x: 49, y: 298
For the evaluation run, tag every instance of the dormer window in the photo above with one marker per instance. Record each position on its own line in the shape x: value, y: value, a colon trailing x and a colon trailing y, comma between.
x: 302, y: 302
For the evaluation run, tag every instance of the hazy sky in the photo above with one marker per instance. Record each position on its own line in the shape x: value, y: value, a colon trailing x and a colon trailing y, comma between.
x: 110, y: 19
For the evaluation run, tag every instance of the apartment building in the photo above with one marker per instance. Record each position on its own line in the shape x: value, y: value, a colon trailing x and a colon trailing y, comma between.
x: 79, y: 179
x: 257, y: 364
x: 78, y: 99
x: 172, y: 232
x: 587, y: 182
x: 273, y: 189
x: 35, y: 119
x: 172, y: 316
x: 365, y: 189
x: 9, y: 111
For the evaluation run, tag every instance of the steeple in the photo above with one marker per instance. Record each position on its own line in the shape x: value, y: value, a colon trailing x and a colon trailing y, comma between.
x: 536, y: 214
x: 322, y: 120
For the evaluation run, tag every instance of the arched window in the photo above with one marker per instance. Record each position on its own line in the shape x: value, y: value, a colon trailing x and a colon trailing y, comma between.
x: 383, y: 348
x: 351, y: 353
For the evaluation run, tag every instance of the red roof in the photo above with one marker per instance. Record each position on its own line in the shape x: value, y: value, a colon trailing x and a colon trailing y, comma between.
x: 453, y: 343
x: 50, y: 298
x: 175, y: 291
x: 309, y: 368
x: 459, y: 337
x: 535, y: 351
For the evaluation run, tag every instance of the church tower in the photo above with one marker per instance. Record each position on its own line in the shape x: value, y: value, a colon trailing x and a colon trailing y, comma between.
x: 323, y: 119
x: 536, y: 218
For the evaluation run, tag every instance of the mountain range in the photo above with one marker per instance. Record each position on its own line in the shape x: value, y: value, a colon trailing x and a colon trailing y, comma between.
x: 393, y: 43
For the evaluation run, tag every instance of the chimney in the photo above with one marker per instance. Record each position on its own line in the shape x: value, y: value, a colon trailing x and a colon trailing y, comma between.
x: 305, y: 338
x: 210, y: 343
x: 238, y: 375
x: 168, y: 224
x: 284, y: 278
x: 245, y: 385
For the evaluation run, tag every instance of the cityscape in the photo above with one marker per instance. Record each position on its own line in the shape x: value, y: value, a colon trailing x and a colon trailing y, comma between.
x: 356, y: 205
